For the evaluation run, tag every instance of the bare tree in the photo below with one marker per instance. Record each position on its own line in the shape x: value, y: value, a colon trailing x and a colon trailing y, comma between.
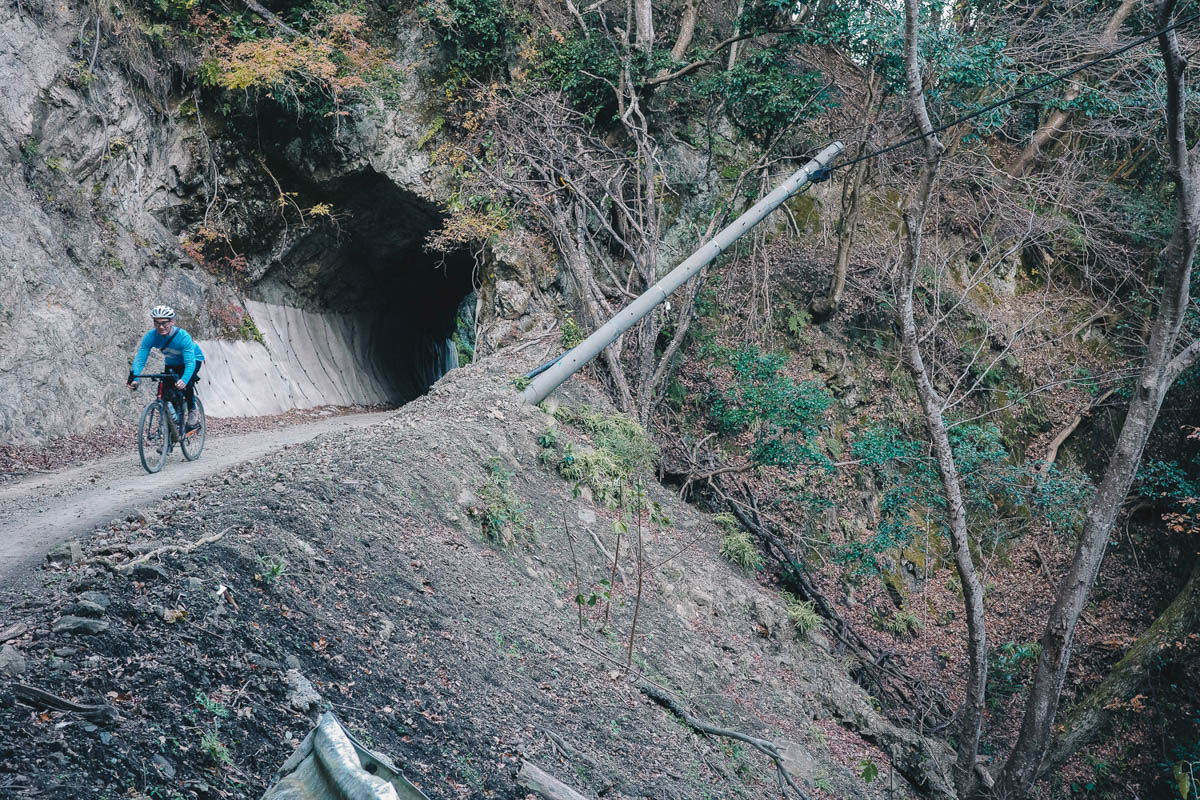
x: 1054, y: 123
x: 827, y: 303
x: 933, y: 406
x: 1162, y: 365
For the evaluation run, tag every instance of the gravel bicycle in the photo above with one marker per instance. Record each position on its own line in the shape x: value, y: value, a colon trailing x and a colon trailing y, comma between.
x: 163, y: 422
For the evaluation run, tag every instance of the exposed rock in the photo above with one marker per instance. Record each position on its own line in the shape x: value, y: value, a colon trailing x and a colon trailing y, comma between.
x: 263, y: 662
x: 70, y: 552
x: 512, y: 299
x: 149, y: 572
x: 302, y: 696
x: 12, y: 663
x: 86, y: 608
x: 163, y: 765
x: 80, y: 625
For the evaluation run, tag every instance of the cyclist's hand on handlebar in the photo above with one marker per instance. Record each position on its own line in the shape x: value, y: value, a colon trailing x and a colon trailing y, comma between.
x: 180, y: 385
x: 133, y: 385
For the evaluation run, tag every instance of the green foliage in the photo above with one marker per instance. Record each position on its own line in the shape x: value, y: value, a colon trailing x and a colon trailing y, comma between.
x: 1008, y: 665
x: 1062, y: 496
x: 901, y: 623
x: 217, y: 709
x: 210, y: 733
x: 212, y: 746
x: 796, y: 321
x: 474, y: 37
x: 572, y: 334
x: 768, y: 91
x: 548, y: 439
x: 463, y: 347
x: 602, y: 591
x: 1165, y: 481
x: 597, y: 469
x: 802, y: 615
x: 781, y: 413
x: 585, y: 69
x: 626, y: 442
x: 271, y: 569
x: 869, y: 770
x: 499, y: 510
x: 737, y: 547
x: 1001, y: 497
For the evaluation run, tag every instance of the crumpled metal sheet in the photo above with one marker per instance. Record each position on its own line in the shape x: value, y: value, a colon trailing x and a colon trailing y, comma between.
x: 330, y: 764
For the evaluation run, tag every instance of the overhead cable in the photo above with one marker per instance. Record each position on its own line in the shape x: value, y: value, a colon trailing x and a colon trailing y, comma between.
x: 1024, y: 93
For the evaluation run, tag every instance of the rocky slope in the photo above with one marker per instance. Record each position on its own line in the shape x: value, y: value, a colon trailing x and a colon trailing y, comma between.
x: 361, y: 562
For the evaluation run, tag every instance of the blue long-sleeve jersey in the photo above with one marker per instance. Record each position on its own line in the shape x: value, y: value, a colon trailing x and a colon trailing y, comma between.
x: 182, y: 350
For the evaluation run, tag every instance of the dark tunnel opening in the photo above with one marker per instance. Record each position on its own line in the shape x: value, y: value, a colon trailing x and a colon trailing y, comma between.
x: 366, y: 260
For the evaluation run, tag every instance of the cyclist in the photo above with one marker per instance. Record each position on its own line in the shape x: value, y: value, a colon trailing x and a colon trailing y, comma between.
x: 181, y: 355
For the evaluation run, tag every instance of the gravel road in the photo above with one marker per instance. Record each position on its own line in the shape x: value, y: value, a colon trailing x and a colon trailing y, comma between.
x: 39, y: 512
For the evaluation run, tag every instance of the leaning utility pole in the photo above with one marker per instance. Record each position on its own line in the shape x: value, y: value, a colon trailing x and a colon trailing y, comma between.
x: 546, y: 381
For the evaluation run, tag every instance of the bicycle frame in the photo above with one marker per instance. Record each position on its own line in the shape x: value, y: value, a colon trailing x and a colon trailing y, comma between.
x: 172, y: 400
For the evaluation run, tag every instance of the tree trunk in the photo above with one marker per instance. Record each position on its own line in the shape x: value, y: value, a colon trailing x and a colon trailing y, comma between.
x: 1155, y: 647
x: 737, y: 28
x: 687, y: 29
x: 1159, y: 370
x: 643, y: 17
x: 932, y: 405
x: 826, y: 304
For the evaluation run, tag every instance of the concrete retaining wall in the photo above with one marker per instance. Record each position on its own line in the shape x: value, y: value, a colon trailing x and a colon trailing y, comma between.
x: 308, y: 360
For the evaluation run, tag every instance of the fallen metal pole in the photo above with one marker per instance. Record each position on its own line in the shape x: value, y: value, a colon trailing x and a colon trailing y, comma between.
x: 566, y: 366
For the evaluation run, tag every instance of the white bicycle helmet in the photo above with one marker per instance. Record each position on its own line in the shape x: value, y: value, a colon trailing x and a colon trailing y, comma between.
x: 162, y: 312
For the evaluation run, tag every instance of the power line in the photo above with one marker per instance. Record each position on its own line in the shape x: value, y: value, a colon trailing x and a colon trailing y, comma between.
x: 1025, y: 93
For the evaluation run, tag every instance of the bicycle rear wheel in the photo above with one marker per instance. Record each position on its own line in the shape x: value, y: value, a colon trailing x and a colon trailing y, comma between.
x: 193, y: 440
x: 153, y: 437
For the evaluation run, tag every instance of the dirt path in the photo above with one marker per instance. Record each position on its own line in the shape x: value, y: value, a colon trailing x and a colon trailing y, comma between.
x: 39, y: 512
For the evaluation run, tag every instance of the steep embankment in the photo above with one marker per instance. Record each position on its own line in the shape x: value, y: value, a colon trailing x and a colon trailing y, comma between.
x: 360, y: 560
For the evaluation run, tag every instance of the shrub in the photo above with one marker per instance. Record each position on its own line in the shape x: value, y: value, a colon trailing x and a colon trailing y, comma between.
x: 474, y: 38
x: 769, y: 91
x: 803, y: 616
x: 738, y: 548
x: 782, y: 413
x: 902, y: 623
x: 583, y: 68
x: 1007, y: 665
x: 499, y: 510
x: 572, y: 334
x: 625, y: 441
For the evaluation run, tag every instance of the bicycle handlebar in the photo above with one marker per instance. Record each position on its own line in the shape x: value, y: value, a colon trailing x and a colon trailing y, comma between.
x: 160, y: 376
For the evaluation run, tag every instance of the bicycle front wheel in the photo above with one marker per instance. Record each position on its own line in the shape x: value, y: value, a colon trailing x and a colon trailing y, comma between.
x: 193, y: 439
x: 153, y: 437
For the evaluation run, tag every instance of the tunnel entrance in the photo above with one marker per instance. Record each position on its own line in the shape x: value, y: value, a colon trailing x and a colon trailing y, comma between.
x: 363, y: 269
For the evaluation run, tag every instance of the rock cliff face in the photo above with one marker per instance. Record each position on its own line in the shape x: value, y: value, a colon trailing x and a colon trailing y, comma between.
x: 110, y: 191
x: 88, y: 174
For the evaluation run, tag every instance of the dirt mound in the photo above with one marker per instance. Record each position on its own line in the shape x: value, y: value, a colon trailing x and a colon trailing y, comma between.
x: 362, y: 562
